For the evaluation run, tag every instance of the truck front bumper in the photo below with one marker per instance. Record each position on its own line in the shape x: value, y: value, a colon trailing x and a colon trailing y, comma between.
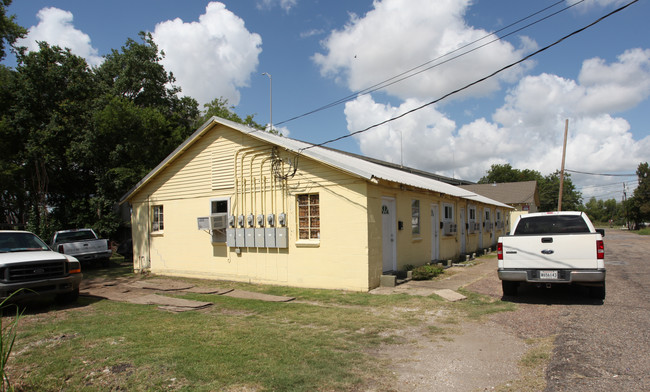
x: 35, y: 288
x: 564, y: 276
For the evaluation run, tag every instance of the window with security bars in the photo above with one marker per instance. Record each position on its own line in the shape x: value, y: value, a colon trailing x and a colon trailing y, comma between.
x: 308, y: 216
x: 415, y: 217
x: 157, y: 221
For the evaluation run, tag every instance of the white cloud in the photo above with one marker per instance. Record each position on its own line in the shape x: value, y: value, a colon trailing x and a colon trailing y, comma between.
x: 399, y: 34
x: 286, y: 5
x: 55, y: 27
x: 211, y: 58
x: 526, y: 131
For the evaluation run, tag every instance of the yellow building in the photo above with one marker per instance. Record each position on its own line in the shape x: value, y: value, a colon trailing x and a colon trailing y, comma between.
x: 236, y: 203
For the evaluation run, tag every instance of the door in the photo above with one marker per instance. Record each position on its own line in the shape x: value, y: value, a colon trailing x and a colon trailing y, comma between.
x: 389, y: 245
x: 463, y: 229
x: 435, y: 233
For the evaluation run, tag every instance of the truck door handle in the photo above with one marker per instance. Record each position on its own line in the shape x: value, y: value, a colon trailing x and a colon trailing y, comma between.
x: 547, y: 240
x: 548, y: 251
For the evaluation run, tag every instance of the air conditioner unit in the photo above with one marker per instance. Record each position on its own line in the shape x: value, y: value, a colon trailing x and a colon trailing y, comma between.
x: 219, y: 221
x: 449, y: 228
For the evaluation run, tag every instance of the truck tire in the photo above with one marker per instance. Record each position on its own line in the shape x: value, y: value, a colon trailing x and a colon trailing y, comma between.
x: 509, y: 287
x: 597, y: 292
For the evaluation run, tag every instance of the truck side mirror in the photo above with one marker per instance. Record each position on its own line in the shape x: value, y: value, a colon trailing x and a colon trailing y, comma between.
x: 601, y: 231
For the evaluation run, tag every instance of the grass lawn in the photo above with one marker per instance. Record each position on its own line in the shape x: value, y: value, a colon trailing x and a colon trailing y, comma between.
x: 322, y: 341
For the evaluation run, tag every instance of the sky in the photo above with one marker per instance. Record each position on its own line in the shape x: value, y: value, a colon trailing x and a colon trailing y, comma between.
x: 366, y: 62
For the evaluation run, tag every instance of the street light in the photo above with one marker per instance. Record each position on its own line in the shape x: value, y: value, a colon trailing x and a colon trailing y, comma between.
x: 270, y: 100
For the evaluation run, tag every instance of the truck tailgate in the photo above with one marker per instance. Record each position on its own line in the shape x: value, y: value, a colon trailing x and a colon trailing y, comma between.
x: 569, y: 251
x: 85, y: 247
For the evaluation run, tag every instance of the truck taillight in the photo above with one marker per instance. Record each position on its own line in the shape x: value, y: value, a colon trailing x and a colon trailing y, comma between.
x: 600, y: 249
x: 60, y: 249
x: 500, y: 251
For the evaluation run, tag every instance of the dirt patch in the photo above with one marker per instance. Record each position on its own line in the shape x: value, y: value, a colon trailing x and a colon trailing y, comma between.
x: 476, y: 356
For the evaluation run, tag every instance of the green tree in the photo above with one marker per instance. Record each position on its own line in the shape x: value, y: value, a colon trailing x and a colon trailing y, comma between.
x: 549, y: 192
x: 10, y: 31
x: 505, y: 173
x: 53, y: 93
x: 219, y: 107
x: 638, y: 206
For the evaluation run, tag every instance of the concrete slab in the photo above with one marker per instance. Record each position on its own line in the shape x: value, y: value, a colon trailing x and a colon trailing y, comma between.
x: 155, y: 299
x: 450, y: 295
x: 259, y: 296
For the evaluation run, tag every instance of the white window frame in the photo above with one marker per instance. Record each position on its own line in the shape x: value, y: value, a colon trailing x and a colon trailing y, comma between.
x: 415, y: 217
x: 310, y: 229
x: 452, y: 217
x: 219, y: 236
x: 157, y: 219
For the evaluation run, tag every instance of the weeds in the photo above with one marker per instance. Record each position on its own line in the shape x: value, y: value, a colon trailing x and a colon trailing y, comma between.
x: 7, y: 339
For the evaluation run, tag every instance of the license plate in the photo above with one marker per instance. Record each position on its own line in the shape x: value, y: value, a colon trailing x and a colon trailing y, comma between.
x: 548, y: 274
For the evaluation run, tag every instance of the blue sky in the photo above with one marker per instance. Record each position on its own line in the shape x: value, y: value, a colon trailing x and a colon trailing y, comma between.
x: 318, y: 52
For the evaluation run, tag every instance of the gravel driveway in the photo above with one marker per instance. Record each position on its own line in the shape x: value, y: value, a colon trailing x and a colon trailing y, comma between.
x: 599, y: 346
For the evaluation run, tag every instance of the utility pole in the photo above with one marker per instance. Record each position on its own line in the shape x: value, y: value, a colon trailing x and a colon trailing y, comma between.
x: 559, y: 200
x: 270, y: 100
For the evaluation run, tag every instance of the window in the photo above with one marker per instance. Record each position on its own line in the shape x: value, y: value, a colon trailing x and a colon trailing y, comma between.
x: 308, y: 216
x: 219, y: 206
x: 449, y: 212
x: 415, y: 217
x: 487, y: 215
x: 157, y: 221
x: 472, y: 213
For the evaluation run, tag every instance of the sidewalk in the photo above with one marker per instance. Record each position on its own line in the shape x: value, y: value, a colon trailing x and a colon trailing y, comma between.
x: 462, y: 276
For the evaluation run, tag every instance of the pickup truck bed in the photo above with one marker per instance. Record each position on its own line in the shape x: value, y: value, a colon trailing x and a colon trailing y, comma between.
x: 552, y: 248
x: 83, y: 244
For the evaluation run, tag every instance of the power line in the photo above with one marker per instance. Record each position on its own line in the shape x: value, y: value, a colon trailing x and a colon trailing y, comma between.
x: 408, y: 73
x: 473, y: 83
x: 602, y: 174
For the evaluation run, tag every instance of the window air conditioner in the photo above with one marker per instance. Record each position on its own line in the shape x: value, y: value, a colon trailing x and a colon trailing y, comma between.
x: 219, y: 221
x: 449, y: 228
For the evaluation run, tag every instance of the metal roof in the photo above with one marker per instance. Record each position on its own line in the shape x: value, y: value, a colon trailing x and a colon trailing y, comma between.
x: 346, y: 162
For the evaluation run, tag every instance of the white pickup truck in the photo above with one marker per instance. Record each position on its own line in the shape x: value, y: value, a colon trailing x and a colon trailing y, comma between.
x: 553, y: 248
x: 29, y: 268
x: 82, y: 244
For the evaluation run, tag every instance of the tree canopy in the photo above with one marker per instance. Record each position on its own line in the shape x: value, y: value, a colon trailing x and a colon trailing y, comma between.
x: 74, y: 139
x: 638, y: 206
x: 547, y: 186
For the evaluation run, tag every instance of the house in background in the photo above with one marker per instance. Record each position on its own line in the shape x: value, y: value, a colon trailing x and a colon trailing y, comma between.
x: 522, y: 196
x: 236, y: 203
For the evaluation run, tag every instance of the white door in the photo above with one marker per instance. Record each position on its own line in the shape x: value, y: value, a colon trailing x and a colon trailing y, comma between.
x: 435, y: 233
x: 389, y: 245
x: 462, y: 230
x: 480, y: 232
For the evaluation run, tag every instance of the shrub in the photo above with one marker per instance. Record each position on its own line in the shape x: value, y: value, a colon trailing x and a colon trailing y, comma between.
x: 426, y: 272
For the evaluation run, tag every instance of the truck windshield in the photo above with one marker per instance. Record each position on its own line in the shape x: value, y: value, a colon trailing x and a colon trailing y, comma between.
x: 72, y: 236
x: 20, y: 242
x: 552, y: 224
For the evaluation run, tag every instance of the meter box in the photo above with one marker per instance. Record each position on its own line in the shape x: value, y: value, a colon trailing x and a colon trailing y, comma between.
x: 249, y: 235
x: 269, y: 237
x: 240, y: 238
x: 281, y: 237
x: 230, y: 238
x: 259, y: 237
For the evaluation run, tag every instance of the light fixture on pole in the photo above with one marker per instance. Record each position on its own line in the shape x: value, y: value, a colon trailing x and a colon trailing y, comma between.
x: 270, y: 100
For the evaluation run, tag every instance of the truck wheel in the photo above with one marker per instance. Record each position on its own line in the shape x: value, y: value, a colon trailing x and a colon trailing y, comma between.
x: 68, y: 298
x: 509, y: 287
x: 597, y: 292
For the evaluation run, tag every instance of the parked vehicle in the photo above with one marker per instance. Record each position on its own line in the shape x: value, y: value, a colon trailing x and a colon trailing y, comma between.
x: 82, y: 244
x: 553, y: 248
x: 27, y: 263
